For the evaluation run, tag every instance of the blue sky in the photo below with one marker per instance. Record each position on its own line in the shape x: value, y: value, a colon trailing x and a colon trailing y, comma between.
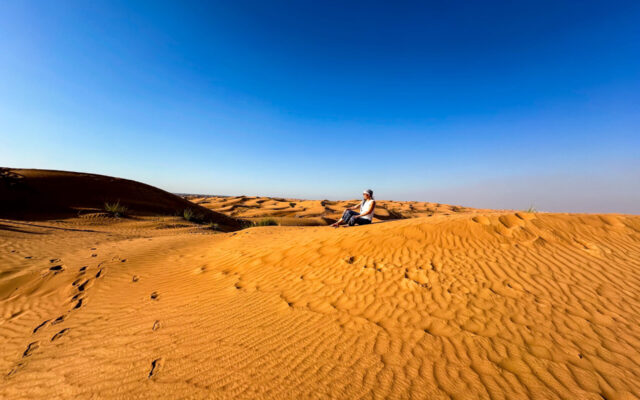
x: 485, y: 104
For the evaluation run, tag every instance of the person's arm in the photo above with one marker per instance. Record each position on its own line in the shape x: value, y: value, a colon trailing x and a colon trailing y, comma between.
x: 354, y: 208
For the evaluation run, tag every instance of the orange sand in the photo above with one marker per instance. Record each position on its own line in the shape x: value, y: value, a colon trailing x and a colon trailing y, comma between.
x: 318, y: 212
x: 484, y: 305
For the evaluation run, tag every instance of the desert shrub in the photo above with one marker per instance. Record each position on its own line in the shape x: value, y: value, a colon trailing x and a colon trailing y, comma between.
x: 213, y: 226
x: 531, y: 209
x: 116, y: 209
x: 295, y: 221
x: 188, y: 214
x: 266, y: 222
x: 292, y: 204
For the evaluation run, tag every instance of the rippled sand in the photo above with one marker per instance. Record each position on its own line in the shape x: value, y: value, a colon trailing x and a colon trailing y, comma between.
x: 467, y: 306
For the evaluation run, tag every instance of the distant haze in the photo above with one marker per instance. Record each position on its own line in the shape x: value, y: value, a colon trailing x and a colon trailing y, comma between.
x: 594, y: 194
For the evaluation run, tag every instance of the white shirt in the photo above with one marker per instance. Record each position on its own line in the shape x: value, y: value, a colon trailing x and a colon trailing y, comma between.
x: 366, y: 206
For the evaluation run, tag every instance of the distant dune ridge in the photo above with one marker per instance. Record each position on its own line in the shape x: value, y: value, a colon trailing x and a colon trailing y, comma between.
x: 44, y: 194
x: 466, y: 304
x: 318, y: 212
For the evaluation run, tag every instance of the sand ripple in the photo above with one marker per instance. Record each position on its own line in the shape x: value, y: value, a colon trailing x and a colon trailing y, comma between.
x: 466, y: 306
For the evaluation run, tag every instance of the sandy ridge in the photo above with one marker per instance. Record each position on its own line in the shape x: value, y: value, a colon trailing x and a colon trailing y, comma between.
x: 318, y: 212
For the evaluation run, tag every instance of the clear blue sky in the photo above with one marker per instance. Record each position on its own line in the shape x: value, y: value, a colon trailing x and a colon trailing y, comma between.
x: 486, y: 104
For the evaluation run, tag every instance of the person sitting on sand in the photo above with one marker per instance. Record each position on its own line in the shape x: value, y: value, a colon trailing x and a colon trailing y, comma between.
x: 352, y: 217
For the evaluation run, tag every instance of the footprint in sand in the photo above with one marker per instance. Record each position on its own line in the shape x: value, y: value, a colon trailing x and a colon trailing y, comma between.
x: 84, y: 285
x: 15, y: 369
x: 56, y: 269
x: 154, y: 296
x: 156, y: 326
x: 30, y: 349
x: 59, y: 334
x: 37, y: 328
x: 155, y: 367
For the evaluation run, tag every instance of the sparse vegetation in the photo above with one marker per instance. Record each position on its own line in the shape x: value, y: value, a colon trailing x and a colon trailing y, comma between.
x: 288, y: 221
x: 188, y: 214
x: 292, y: 204
x: 531, y: 209
x: 213, y: 226
x: 266, y: 222
x: 263, y: 222
x: 115, y: 209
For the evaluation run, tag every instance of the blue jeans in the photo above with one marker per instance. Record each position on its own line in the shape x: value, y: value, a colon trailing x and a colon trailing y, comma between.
x: 348, y: 217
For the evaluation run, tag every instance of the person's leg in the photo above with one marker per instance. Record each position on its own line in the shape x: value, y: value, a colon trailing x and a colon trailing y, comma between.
x: 341, y: 220
x: 346, y: 215
x: 351, y: 221
x: 359, y: 221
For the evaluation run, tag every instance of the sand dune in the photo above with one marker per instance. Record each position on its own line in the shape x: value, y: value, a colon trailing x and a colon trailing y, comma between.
x: 318, y: 212
x: 489, y: 305
x: 45, y: 194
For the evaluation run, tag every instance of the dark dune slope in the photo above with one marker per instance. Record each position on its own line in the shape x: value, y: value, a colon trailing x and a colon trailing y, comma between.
x: 46, y: 194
